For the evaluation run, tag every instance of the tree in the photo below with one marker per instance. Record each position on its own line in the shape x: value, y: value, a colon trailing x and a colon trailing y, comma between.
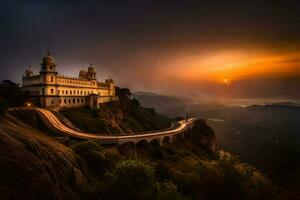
x: 132, y: 179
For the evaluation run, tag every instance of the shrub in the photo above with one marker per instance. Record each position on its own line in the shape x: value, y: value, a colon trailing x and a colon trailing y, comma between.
x: 131, y: 179
x: 167, y: 190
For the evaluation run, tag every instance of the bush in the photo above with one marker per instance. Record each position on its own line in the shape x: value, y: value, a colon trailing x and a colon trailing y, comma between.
x: 167, y: 190
x: 131, y: 179
x: 97, y: 159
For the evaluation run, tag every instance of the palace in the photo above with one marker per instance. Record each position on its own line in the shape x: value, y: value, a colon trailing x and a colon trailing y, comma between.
x: 52, y: 90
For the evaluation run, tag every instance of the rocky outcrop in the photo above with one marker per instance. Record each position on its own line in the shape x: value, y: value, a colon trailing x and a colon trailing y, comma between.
x: 203, y: 135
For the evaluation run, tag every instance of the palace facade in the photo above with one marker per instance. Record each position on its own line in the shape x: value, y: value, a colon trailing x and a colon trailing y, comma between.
x: 52, y: 90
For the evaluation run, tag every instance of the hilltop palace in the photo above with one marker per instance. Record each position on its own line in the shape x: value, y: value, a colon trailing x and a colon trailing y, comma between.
x: 52, y: 90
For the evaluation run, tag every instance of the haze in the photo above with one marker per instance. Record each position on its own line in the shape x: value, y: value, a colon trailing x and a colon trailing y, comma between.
x: 211, y: 48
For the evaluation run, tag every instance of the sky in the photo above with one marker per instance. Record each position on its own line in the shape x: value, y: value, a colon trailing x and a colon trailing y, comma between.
x: 241, y: 49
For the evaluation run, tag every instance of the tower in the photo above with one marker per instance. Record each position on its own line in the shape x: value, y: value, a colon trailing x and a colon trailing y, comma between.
x: 91, y: 73
x: 48, y: 76
x: 48, y: 64
x: 111, y: 86
x: 82, y: 73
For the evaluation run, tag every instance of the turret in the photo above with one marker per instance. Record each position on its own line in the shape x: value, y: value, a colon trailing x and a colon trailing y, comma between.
x: 91, y: 73
x: 111, y: 85
x: 48, y: 64
x: 83, y: 73
x: 28, y: 72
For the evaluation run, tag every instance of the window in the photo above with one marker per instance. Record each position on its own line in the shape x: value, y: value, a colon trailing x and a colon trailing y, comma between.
x: 78, y: 92
x: 71, y: 92
x: 59, y: 100
x: 77, y: 100
x: 69, y: 100
x: 58, y: 92
x: 81, y: 100
x: 51, y: 102
x: 52, y: 91
x: 74, y: 92
x: 50, y: 67
x: 66, y: 91
x: 51, y: 78
x: 63, y: 92
x: 74, y: 101
x: 65, y: 101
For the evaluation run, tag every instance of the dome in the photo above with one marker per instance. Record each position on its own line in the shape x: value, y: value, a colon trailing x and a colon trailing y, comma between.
x: 82, y: 73
x: 48, y: 59
x: 28, y: 71
x: 91, y: 68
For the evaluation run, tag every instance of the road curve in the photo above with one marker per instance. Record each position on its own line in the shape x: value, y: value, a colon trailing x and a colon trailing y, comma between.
x: 112, y: 139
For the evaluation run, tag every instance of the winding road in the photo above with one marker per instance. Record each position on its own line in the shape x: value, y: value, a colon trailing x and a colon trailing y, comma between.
x: 48, y: 116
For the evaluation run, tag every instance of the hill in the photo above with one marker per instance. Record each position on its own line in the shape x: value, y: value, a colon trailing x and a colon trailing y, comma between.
x: 34, y: 165
x: 125, y: 116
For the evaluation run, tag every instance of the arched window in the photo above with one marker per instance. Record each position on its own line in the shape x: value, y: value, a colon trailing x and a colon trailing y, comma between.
x: 74, y: 101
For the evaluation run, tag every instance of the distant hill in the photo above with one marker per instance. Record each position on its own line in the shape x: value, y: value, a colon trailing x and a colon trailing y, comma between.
x: 173, y: 106
x: 265, y: 136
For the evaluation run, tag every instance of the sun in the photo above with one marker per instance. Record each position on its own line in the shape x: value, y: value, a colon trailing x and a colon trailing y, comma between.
x: 226, y: 81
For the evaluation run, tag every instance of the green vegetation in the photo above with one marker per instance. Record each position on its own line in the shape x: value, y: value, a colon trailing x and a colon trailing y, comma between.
x: 124, y: 116
x: 190, y: 168
x: 187, y: 169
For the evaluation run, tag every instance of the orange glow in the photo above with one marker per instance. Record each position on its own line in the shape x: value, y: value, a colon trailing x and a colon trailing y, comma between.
x: 235, y: 65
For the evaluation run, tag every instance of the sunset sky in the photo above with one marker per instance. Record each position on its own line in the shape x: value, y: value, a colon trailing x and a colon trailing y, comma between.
x: 170, y: 47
